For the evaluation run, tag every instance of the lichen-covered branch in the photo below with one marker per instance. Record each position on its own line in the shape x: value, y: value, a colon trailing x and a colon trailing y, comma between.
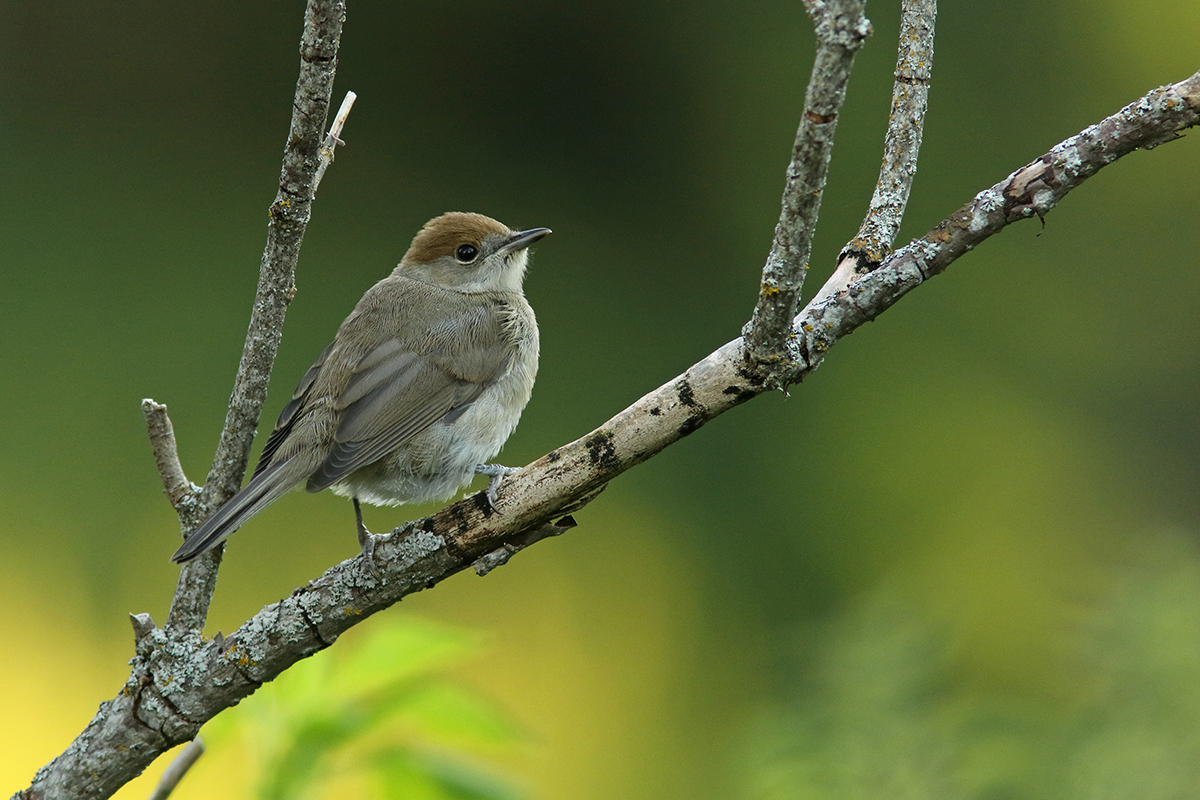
x: 901, y: 144
x: 841, y: 30
x: 289, y: 216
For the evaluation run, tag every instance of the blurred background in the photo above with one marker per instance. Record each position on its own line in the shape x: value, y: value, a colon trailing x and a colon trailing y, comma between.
x: 960, y: 560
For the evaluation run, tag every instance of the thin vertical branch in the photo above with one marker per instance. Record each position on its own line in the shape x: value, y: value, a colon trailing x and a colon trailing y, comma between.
x: 901, y: 144
x: 841, y: 30
x: 289, y: 216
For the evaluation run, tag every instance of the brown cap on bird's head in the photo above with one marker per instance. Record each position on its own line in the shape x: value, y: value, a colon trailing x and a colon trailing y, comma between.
x: 469, y: 253
x: 441, y: 236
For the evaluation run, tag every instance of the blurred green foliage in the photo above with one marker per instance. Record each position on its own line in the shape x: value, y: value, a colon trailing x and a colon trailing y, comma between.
x: 380, y: 714
x: 938, y: 564
x: 886, y: 707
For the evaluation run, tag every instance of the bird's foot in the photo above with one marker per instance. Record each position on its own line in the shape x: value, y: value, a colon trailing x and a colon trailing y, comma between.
x: 366, y: 540
x: 495, y: 473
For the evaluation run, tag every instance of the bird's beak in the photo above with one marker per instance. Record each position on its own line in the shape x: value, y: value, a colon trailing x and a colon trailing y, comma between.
x: 522, y: 239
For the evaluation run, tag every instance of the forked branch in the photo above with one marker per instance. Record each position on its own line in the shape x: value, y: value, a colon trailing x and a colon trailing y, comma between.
x: 841, y: 30
x: 135, y: 727
x: 901, y: 145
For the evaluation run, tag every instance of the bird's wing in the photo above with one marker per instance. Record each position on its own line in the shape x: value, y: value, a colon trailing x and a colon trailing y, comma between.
x: 287, y: 417
x: 396, y: 393
x: 269, y: 482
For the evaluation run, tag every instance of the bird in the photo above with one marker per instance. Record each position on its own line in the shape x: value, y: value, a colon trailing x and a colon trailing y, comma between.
x: 422, y: 385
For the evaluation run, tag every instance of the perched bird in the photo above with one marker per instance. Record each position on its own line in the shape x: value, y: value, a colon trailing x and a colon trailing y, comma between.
x: 422, y: 385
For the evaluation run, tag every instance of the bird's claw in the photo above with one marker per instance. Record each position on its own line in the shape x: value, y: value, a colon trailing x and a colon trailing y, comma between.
x: 366, y: 540
x: 495, y: 473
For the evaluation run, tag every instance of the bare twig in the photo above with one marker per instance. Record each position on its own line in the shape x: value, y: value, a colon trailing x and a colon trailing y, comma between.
x: 174, y: 773
x: 289, y: 216
x: 841, y: 30
x: 183, y: 494
x: 333, y: 138
x: 501, y: 555
x: 902, y: 143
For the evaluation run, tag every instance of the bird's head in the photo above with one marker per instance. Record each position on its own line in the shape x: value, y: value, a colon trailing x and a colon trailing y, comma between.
x: 470, y: 253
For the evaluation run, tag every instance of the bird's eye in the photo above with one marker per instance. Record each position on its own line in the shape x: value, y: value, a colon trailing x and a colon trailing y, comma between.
x: 466, y: 253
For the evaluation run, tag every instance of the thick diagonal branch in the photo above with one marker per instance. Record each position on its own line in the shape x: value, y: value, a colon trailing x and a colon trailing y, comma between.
x: 180, y: 680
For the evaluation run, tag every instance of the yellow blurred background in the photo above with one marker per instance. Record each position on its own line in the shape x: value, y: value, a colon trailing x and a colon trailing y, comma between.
x: 961, y: 560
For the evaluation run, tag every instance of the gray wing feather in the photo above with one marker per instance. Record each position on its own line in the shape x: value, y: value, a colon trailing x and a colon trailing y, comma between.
x: 267, y: 486
x: 398, y: 396
x: 287, y: 417
x: 395, y: 367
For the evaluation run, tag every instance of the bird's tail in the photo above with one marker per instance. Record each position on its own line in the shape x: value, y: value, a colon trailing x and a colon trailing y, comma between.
x: 265, y: 488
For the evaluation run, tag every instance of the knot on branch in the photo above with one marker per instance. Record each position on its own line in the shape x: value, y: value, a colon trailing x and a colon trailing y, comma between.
x: 815, y: 337
x: 865, y: 255
x: 160, y: 661
x: 775, y: 364
x: 143, y: 630
x: 1031, y: 190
